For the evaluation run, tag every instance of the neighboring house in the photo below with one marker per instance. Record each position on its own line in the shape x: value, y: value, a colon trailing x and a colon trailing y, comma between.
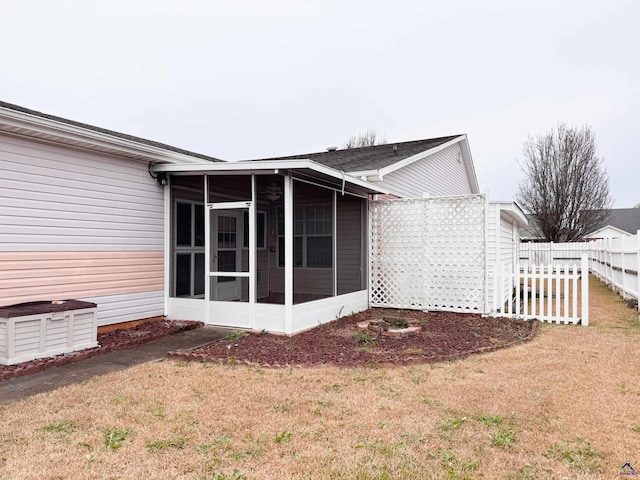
x: 621, y: 222
x: 145, y: 229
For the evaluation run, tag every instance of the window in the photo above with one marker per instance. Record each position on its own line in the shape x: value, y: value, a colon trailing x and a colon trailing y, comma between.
x: 261, y: 230
x: 313, y: 236
x: 189, y: 249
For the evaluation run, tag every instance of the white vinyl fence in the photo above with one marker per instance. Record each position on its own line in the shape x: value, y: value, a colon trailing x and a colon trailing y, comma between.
x: 615, y: 261
x: 549, y: 253
x: 554, y: 293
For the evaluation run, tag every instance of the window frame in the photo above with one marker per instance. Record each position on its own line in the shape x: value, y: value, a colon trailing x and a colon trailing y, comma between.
x: 193, y: 250
x: 303, y: 237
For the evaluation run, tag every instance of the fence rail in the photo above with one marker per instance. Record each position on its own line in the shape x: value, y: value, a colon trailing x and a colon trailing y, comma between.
x: 550, y: 293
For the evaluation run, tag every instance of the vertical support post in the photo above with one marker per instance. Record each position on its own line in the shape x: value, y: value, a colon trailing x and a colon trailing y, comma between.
x: 584, y: 272
x: 334, y: 246
x: 612, y: 281
x: 288, y: 254
x: 622, y: 267
x: 526, y: 295
x: 515, y: 276
x: 486, y: 252
x: 534, y: 281
x: 567, y: 272
x: 549, y: 292
x: 168, y: 231
x: 207, y: 250
x: 252, y: 254
x: 638, y: 272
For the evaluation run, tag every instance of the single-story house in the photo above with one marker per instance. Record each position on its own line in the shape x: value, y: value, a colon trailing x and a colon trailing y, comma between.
x: 145, y: 229
x: 621, y: 222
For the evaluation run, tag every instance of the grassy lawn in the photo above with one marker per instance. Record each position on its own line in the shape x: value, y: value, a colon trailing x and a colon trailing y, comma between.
x: 566, y: 404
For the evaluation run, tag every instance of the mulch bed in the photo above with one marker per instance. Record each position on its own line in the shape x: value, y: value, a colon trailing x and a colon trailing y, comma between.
x: 108, y: 342
x: 444, y: 336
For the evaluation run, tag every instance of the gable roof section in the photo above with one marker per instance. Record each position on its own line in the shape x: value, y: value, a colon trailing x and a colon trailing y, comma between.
x: 608, y: 229
x: 22, y: 121
x: 369, y: 158
x: 625, y: 219
x: 376, y: 161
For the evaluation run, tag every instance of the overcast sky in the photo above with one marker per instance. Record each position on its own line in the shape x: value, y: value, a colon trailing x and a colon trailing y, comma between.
x: 255, y: 79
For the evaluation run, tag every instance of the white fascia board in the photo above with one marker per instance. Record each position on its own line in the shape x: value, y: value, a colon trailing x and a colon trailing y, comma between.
x: 268, y: 165
x: 54, y: 128
x: 513, y: 211
x: 605, y: 228
x: 468, y: 163
x: 418, y: 156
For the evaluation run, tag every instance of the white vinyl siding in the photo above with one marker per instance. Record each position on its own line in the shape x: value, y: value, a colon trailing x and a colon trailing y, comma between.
x: 122, y: 308
x: 502, y: 254
x: 55, y: 198
x: 80, y: 224
x: 440, y: 174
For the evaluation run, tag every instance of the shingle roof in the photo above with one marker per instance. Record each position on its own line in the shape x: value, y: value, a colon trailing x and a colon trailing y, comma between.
x: 627, y: 219
x: 369, y: 158
x: 531, y: 231
x: 144, y: 141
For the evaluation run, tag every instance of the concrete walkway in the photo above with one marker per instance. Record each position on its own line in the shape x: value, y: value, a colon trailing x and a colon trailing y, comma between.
x: 25, y: 386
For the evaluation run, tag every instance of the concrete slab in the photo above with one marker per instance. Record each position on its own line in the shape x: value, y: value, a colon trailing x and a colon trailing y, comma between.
x: 23, y: 387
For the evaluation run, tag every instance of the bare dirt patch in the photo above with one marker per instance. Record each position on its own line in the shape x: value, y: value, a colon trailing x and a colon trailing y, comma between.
x: 444, y: 336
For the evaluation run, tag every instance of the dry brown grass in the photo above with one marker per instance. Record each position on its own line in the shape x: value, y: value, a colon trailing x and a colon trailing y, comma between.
x: 566, y: 404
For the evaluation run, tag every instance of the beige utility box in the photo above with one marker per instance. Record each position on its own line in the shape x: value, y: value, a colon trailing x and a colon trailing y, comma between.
x: 44, y: 329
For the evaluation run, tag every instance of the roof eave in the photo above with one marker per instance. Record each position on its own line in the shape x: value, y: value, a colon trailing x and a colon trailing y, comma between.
x: 513, y: 211
x: 270, y: 166
x: 25, y: 124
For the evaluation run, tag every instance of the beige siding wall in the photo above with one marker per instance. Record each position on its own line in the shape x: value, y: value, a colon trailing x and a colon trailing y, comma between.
x: 76, y: 224
x: 440, y: 174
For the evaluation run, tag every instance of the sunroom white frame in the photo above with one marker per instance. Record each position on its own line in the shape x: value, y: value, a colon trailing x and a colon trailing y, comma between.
x: 284, y: 318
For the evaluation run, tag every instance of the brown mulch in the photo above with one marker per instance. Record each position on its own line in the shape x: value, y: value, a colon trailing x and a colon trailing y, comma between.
x: 444, y: 336
x: 108, y: 342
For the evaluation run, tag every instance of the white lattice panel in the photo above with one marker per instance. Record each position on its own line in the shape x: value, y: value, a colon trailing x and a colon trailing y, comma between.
x: 428, y: 253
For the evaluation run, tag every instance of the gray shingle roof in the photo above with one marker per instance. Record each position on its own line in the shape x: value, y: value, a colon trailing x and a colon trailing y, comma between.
x: 144, y: 141
x: 627, y: 219
x: 369, y: 158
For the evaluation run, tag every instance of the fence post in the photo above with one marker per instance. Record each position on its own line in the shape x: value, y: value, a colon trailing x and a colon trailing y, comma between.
x: 638, y: 272
x: 584, y: 273
x: 624, y: 270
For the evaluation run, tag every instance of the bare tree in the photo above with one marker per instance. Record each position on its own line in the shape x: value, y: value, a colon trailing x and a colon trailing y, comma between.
x: 566, y: 185
x: 637, y: 205
x: 365, y: 139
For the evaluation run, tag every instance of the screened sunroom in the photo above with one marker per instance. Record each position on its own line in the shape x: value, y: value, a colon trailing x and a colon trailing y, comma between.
x: 277, y: 246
